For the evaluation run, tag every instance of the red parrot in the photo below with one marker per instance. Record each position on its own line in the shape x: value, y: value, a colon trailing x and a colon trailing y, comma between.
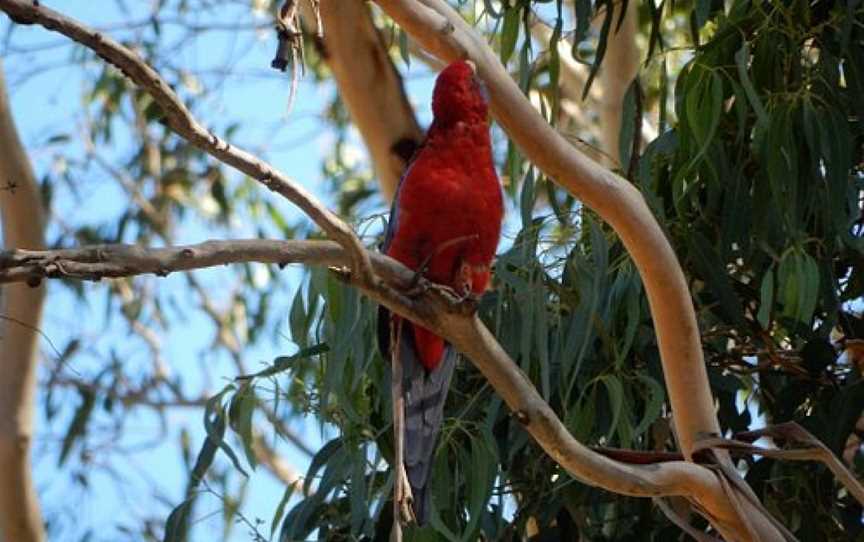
x: 445, y: 224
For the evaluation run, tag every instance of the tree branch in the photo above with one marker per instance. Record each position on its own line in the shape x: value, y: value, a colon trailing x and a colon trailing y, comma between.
x: 111, y: 261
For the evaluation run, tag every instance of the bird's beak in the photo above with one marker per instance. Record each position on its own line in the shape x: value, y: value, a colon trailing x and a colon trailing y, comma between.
x: 472, y: 66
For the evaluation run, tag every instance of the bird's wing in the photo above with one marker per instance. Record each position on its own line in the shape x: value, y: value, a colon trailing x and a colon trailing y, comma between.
x: 389, y: 232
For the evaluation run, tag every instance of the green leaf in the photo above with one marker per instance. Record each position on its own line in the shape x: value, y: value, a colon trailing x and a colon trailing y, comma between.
x: 404, y: 51
x: 280, y: 509
x: 177, y: 524
x: 809, y: 288
x: 358, y: 492
x: 527, y: 198
x: 742, y: 58
x: 798, y: 275
x: 628, y: 125
x: 513, y: 168
x: 704, y: 104
x: 631, y: 288
x: 214, y: 425
x: 479, y: 479
x: 582, y: 12
x: 509, y: 33
x: 555, y: 65
x: 601, y: 44
x: 615, y: 390
x: 242, y: 407
x: 78, y: 425
x: 297, y: 320
x: 526, y: 67
x: 58, y: 138
x: 653, y: 404
x: 541, y: 339
x: 321, y: 458
x: 203, y: 461
x: 788, y: 275
x: 766, y: 299
x: 655, y: 38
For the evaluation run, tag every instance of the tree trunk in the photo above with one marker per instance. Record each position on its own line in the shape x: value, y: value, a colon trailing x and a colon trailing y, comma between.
x: 20, y: 310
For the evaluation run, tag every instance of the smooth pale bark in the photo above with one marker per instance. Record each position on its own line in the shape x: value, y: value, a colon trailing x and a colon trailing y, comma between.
x: 620, y: 66
x: 371, y: 88
x: 20, y: 311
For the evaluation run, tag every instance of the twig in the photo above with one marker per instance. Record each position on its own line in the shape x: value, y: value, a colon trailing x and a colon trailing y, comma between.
x: 398, y: 399
x: 807, y: 448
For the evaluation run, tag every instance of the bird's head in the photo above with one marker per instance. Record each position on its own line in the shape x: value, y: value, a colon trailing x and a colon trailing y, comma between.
x: 459, y: 94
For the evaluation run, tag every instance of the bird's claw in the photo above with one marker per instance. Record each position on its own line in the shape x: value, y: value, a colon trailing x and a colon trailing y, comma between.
x: 404, y: 497
x: 469, y: 304
x: 418, y: 285
x: 465, y: 303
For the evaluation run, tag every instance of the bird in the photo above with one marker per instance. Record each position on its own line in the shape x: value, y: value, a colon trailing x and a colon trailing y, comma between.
x: 445, y: 224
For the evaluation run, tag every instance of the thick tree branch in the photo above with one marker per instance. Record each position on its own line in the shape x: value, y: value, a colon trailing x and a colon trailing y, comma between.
x: 371, y: 88
x: 21, y: 308
x: 180, y: 119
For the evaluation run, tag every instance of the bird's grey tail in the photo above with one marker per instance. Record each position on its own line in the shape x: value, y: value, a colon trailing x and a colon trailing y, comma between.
x: 425, y: 394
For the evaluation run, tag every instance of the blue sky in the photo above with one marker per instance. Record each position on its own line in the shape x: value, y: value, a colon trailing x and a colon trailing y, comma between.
x: 46, y: 92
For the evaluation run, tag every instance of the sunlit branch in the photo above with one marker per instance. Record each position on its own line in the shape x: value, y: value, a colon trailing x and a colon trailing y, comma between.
x: 111, y: 261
